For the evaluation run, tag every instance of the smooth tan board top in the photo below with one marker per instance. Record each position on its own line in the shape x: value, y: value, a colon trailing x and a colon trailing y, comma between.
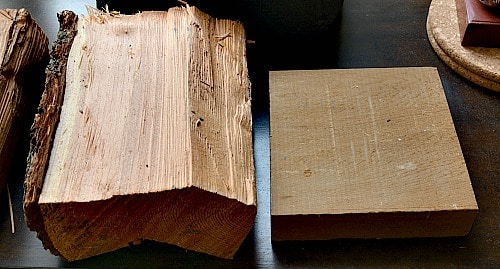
x: 477, y: 64
x: 364, y: 141
x: 155, y: 101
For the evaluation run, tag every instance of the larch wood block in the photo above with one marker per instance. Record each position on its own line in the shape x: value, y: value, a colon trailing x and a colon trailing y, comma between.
x: 23, y: 52
x: 154, y: 139
x: 365, y: 153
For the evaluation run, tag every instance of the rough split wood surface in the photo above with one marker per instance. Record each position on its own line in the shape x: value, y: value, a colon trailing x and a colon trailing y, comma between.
x: 154, y: 139
x: 23, y: 52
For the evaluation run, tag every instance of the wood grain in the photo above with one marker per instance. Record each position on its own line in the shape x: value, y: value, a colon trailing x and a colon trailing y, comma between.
x: 23, y: 51
x: 154, y: 139
x: 365, y: 153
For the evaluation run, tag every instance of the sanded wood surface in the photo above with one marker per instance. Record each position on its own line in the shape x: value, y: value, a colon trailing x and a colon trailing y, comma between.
x: 365, y: 153
x: 23, y: 48
x: 154, y: 139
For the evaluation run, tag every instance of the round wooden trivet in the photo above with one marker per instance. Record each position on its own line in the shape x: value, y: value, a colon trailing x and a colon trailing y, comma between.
x: 477, y: 64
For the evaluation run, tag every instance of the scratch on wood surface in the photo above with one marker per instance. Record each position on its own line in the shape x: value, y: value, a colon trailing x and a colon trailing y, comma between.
x: 408, y: 166
x: 353, y: 155
x: 365, y: 148
x: 374, y: 126
x: 331, y: 125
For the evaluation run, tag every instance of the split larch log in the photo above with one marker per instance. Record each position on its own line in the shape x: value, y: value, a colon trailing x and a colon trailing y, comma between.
x: 154, y: 139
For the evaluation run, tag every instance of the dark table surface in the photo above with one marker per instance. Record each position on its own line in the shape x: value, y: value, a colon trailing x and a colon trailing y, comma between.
x: 376, y: 33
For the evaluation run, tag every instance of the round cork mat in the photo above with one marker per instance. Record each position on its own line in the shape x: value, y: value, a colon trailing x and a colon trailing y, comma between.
x: 477, y: 64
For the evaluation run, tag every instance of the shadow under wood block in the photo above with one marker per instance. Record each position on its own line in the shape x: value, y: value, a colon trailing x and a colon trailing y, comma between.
x: 154, y: 139
x: 365, y: 153
x: 23, y: 54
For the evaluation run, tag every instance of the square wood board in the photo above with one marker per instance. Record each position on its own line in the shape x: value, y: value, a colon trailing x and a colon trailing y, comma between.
x: 365, y: 153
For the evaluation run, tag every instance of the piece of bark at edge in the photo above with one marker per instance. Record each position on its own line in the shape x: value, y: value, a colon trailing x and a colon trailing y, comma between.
x: 23, y: 53
x: 45, y: 124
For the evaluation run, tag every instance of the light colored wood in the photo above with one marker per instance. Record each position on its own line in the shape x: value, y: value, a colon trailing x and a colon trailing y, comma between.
x: 155, y: 137
x: 23, y: 49
x: 365, y: 153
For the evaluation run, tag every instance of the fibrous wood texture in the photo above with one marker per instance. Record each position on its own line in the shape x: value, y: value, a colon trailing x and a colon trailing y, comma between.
x: 23, y: 50
x: 154, y: 139
x: 365, y: 153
